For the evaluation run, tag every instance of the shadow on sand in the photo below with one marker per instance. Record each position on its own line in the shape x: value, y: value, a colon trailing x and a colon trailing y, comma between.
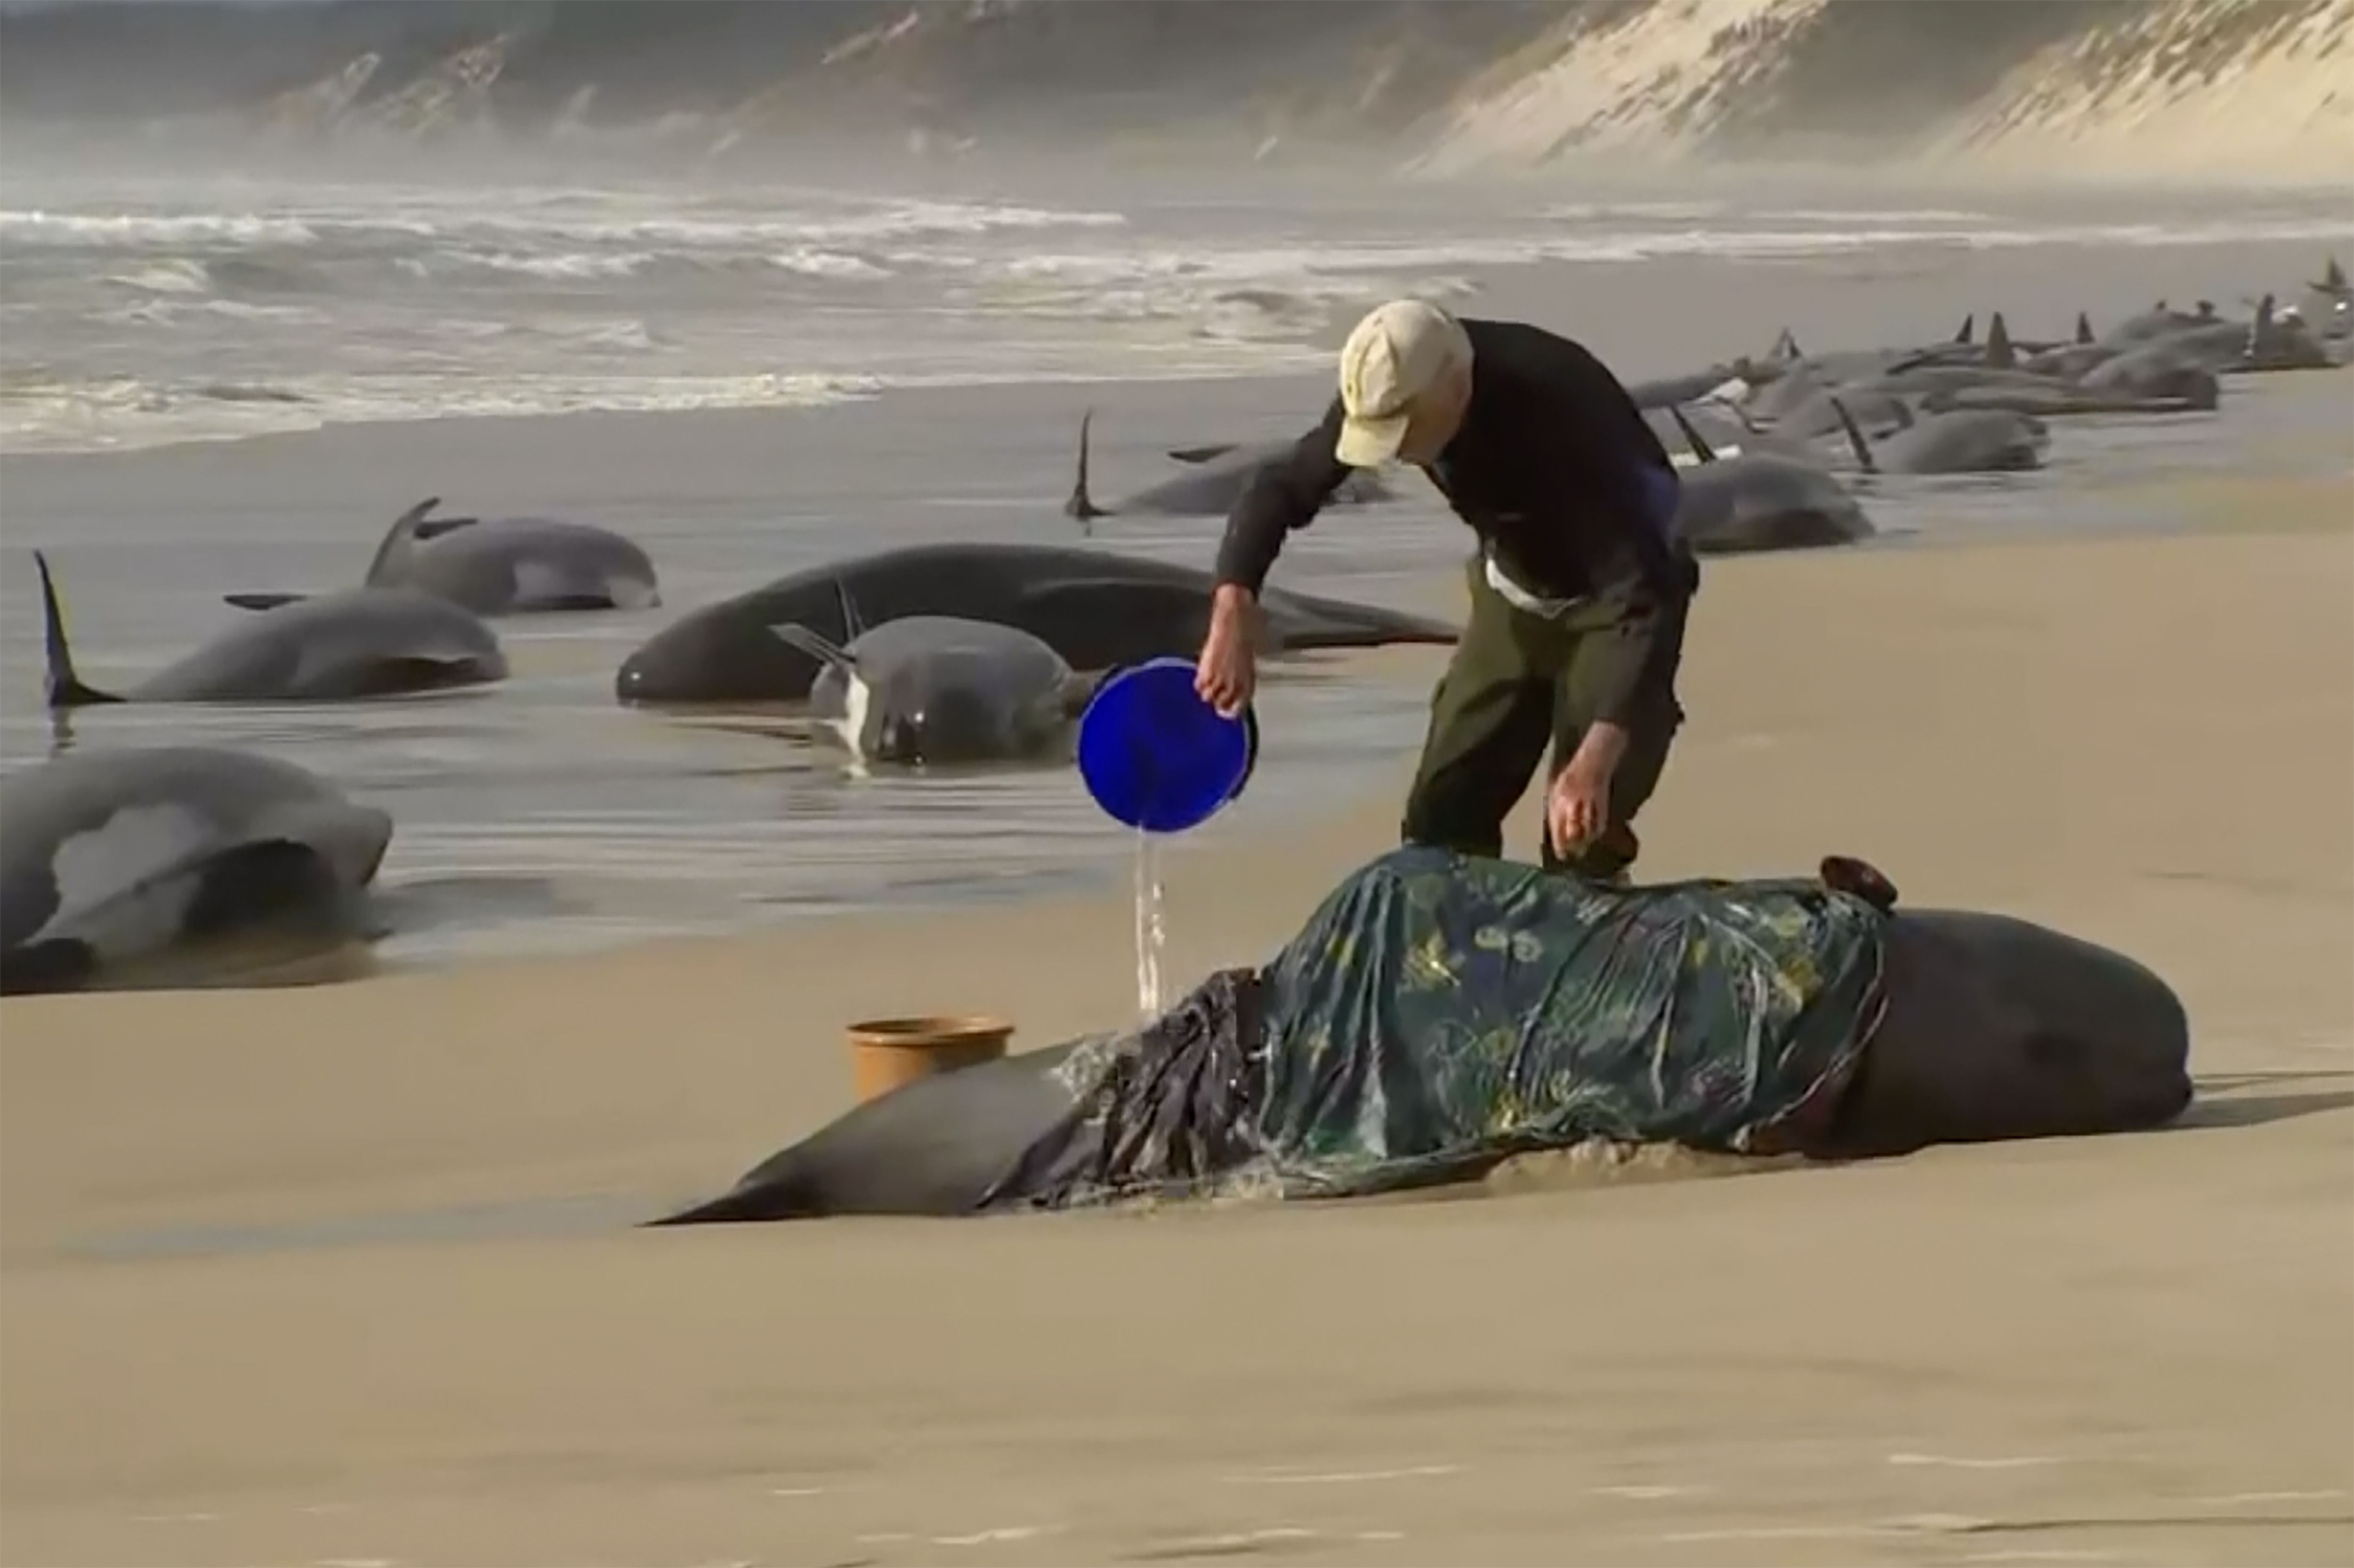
x: 1593, y: 1165
x: 2218, y: 1104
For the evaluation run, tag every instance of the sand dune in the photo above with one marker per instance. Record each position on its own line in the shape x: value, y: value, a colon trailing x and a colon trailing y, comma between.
x: 2241, y: 89
x: 338, y: 1275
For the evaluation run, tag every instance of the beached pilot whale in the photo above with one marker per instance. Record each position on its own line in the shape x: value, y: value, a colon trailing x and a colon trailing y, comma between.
x: 1220, y: 473
x: 1987, y: 1028
x: 362, y: 643
x: 931, y: 689
x: 1760, y: 500
x: 1099, y: 610
x: 121, y: 865
x: 503, y: 566
x: 1959, y: 441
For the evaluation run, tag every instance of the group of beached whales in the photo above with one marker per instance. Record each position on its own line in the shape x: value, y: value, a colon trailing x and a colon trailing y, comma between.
x: 124, y: 864
x: 1764, y: 442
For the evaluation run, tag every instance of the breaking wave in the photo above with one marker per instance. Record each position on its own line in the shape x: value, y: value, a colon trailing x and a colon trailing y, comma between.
x: 137, y: 315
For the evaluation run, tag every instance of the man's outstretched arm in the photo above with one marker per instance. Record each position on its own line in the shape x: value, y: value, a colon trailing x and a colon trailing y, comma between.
x: 1285, y: 494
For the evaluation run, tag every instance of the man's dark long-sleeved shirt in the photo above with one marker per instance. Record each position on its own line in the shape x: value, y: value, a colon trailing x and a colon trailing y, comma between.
x: 1554, y: 469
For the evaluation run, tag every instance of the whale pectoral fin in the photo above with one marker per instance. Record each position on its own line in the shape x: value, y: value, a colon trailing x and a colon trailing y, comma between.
x: 816, y: 645
x: 260, y: 600
x: 434, y: 527
x: 1861, y: 447
x: 1700, y: 450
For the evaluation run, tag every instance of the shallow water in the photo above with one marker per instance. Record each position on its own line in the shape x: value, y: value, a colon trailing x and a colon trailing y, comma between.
x: 539, y: 815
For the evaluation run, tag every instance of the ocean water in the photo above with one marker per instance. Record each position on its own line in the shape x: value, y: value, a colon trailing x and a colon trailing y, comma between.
x: 223, y: 386
x: 135, y: 312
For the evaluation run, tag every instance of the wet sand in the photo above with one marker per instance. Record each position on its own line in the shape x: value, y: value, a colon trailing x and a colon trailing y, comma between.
x: 339, y: 1274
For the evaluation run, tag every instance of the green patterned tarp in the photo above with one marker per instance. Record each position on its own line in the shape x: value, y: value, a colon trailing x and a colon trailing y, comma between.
x: 1440, y: 1012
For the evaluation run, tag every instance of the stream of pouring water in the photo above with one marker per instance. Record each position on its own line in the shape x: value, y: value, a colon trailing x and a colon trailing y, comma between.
x: 1149, y: 931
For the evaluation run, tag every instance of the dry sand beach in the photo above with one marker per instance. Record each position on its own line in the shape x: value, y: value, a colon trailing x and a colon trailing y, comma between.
x: 342, y: 1275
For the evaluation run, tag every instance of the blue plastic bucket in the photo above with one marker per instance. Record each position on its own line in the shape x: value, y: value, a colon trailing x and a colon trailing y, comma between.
x: 1155, y: 756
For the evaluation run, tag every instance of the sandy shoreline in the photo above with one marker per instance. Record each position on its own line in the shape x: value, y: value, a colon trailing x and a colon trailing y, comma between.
x: 2147, y: 741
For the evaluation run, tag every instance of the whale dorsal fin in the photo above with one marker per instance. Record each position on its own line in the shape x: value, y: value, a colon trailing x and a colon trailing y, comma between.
x: 2000, y: 354
x: 1692, y: 437
x: 1969, y: 327
x: 64, y: 689
x: 2333, y: 277
x: 1081, y: 505
x: 1786, y: 345
x: 1854, y: 436
x: 392, y: 554
x: 2083, y: 328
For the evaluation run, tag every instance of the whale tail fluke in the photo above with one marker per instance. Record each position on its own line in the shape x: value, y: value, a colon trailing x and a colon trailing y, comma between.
x: 1081, y: 505
x: 1201, y: 454
x: 260, y: 600
x: 64, y: 689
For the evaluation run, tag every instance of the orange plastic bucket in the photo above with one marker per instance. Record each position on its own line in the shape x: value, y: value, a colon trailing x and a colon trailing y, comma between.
x: 886, y: 1052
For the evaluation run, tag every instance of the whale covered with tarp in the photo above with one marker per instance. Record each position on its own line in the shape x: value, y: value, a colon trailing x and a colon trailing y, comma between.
x: 1440, y: 1013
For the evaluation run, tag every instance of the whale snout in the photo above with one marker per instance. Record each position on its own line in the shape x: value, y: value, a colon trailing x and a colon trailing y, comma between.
x: 631, y: 681
x: 706, y: 661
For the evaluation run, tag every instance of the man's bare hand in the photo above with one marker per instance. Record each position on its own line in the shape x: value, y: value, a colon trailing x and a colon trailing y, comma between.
x: 1578, y: 808
x: 1227, y: 672
x: 1578, y: 803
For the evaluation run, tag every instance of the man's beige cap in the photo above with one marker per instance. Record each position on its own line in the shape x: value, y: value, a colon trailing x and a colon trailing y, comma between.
x: 1397, y: 352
